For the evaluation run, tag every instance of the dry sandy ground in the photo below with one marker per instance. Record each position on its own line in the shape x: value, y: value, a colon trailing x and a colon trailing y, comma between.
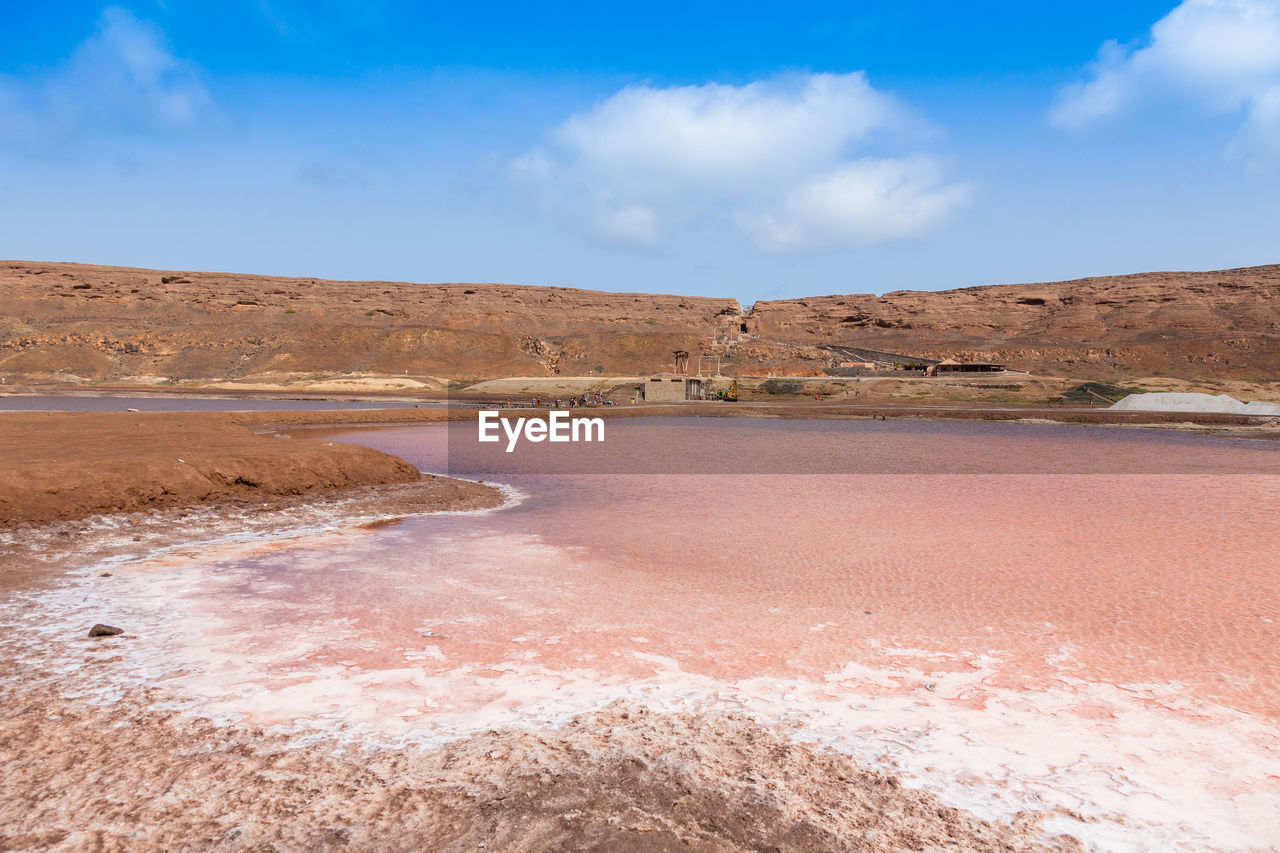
x: 125, y: 776
x: 340, y: 384
x: 832, y: 409
x: 1016, y: 387
x: 552, y: 385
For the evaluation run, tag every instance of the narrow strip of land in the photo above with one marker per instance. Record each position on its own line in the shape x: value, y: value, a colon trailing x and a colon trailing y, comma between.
x: 466, y: 408
x: 67, y: 465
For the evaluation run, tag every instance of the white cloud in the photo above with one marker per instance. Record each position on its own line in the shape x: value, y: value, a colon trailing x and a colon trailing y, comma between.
x: 1221, y: 55
x: 122, y: 78
x: 773, y: 158
x: 867, y: 201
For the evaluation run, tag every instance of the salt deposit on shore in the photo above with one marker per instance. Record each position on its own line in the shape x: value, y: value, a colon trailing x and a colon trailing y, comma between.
x: 1172, y: 401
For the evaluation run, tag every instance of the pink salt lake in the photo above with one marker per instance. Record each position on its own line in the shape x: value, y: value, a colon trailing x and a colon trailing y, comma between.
x: 1018, y: 616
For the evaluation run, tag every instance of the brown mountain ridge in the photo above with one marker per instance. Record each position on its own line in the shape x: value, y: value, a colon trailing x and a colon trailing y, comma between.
x: 64, y: 320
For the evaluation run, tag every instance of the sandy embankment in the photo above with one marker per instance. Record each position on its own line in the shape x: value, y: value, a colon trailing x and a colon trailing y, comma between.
x: 65, y: 465
x: 1209, y: 423
x: 127, y: 776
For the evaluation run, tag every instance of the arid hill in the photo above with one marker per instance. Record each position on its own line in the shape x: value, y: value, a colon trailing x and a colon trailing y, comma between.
x: 112, y: 323
x: 108, y: 322
x: 1186, y: 324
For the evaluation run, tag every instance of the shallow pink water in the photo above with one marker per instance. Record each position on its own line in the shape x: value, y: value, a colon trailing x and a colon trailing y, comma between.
x: 1144, y: 576
x: 1055, y: 631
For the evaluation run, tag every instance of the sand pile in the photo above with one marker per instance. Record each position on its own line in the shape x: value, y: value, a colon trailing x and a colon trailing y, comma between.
x: 1171, y: 401
x: 122, y: 776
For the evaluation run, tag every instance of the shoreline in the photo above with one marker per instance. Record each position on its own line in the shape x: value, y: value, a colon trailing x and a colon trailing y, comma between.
x: 59, y: 466
x: 1204, y: 423
x: 459, y: 405
x: 68, y: 465
x: 36, y: 554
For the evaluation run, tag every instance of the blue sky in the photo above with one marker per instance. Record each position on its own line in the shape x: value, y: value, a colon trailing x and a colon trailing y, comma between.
x: 747, y: 150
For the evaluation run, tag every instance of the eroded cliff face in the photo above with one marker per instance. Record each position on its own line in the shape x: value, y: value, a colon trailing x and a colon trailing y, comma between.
x: 1175, y: 323
x: 113, y: 323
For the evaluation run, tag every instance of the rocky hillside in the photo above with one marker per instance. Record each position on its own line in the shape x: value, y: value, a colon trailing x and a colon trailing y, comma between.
x: 110, y: 322
x: 93, y: 322
x: 1188, y: 324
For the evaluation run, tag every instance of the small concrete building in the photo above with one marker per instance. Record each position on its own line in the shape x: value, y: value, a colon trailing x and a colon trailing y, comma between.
x: 673, y: 388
